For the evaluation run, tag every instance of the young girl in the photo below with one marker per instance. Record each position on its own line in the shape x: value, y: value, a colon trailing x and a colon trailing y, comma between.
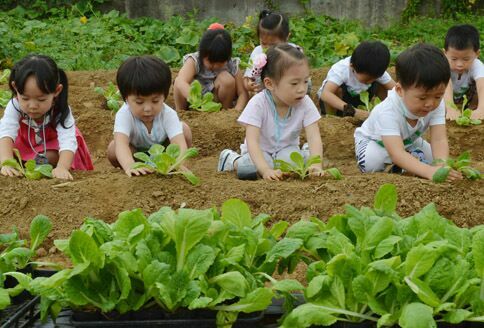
x: 144, y: 83
x: 214, y: 68
x: 272, y: 29
x: 38, y: 121
x: 275, y: 117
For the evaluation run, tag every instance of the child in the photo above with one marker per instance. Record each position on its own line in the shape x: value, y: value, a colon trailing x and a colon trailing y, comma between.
x: 462, y: 49
x: 275, y: 117
x: 214, y: 68
x: 38, y: 121
x: 364, y: 70
x: 393, y: 132
x: 144, y: 119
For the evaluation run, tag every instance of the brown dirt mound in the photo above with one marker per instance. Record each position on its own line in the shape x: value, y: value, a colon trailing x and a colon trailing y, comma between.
x: 107, y: 191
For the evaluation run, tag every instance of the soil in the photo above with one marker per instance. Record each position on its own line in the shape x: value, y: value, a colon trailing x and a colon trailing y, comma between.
x: 106, y: 191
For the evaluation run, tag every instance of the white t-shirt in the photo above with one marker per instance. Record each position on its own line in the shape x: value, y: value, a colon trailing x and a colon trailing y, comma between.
x: 277, y: 133
x: 387, y: 119
x: 460, y: 86
x: 165, y: 125
x: 341, y: 73
x: 10, y: 124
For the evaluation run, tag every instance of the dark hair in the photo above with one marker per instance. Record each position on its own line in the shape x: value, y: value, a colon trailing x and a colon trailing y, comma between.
x: 273, y: 24
x: 143, y: 75
x: 216, y: 46
x: 371, y: 57
x: 280, y: 58
x: 422, y: 65
x: 48, y: 77
x: 462, y: 37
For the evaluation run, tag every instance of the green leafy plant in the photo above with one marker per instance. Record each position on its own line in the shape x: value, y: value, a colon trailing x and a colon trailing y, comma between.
x: 30, y: 170
x: 465, y: 114
x: 167, y: 161
x: 300, y: 167
x: 114, y: 101
x: 4, y: 76
x: 185, y: 258
x: 16, y: 256
x: 461, y: 164
x: 369, y: 104
x: 5, y: 96
x: 201, y: 103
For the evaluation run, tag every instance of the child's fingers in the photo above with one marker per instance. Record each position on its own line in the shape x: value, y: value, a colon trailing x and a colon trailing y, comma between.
x: 454, y: 175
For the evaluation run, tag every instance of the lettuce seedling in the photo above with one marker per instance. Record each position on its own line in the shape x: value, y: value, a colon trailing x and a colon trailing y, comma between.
x: 31, y: 170
x: 201, y: 103
x: 167, y: 161
x: 465, y: 114
x: 461, y: 164
x: 4, y: 76
x: 301, y: 167
x: 369, y: 104
x: 5, y: 96
x: 114, y: 101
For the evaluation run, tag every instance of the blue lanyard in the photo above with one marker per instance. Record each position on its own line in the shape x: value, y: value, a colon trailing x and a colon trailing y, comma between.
x: 280, y: 123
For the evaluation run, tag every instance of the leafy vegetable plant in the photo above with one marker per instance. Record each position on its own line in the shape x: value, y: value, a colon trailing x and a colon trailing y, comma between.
x: 301, y: 167
x: 201, y: 103
x: 114, y: 101
x: 31, y: 170
x: 461, y: 164
x: 465, y: 114
x: 5, y: 96
x: 167, y: 161
x: 4, y: 76
x: 369, y: 104
x: 16, y: 256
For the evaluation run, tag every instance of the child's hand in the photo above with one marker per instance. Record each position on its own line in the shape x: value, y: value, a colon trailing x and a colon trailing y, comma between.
x: 316, y: 171
x: 452, y: 114
x: 252, y: 86
x: 10, y: 172
x: 61, y: 173
x: 272, y: 175
x: 141, y: 171
x: 454, y: 176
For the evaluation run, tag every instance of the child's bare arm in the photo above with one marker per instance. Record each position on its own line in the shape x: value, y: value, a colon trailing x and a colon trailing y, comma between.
x: 329, y: 96
x: 6, y: 152
x: 439, y: 142
x: 479, y: 112
x: 124, y: 155
x: 315, y: 144
x: 252, y: 134
x: 183, y: 80
x: 179, y: 140
x: 451, y: 113
x: 242, y: 95
x: 61, y: 171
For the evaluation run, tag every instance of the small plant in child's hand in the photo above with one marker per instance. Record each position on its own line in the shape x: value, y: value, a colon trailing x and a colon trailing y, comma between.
x: 201, y: 103
x: 465, y: 114
x: 31, y: 170
x: 4, y: 76
x: 167, y: 161
x: 114, y: 101
x: 5, y: 96
x: 369, y: 104
x: 302, y: 168
x: 461, y: 164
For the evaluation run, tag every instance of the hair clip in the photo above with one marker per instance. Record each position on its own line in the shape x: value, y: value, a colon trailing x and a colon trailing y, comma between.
x: 215, y: 26
x: 258, y: 64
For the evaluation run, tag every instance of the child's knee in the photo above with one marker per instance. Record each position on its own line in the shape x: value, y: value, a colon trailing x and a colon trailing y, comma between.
x: 224, y: 81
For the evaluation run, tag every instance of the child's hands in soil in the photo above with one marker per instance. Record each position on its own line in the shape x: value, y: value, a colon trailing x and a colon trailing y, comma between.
x: 10, y: 172
x: 315, y: 171
x: 61, y: 173
x: 137, y: 172
x: 272, y: 175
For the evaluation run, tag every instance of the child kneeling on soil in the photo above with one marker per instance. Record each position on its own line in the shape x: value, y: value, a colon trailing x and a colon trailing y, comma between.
x: 393, y: 132
x: 364, y: 70
x: 275, y: 117
x: 38, y: 120
x: 462, y: 48
x: 214, y: 68
x: 144, y: 119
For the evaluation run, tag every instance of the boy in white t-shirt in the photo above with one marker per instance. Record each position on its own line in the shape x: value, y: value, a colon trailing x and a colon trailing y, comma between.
x: 462, y: 49
x: 144, y: 119
x: 365, y: 70
x: 393, y: 132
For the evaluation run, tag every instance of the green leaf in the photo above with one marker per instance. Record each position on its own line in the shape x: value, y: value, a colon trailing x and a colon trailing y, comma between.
x: 278, y: 229
x: 257, y: 300
x: 83, y: 249
x: 142, y: 157
x: 478, y: 253
x: 195, y: 94
x: 11, y: 162
x: 200, y: 258
x: 173, y: 150
x: 283, y: 249
x: 39, y: 229
x: 233, y: 282
x: 168, y: 54
x: 335, y: 173
x: 297, y: 158
x: 441, y: 174
x: 156, y: 149
x: 194, y: 180
x: 288, y: 285
x: 386, y: 199
x: 423, y: 291
x: 386, y: 246
x: 45, y: 170
x: 417, y: 315
x: 236, y: 212
x: 4, y: 299
x: 307, y: 315
x: 419, y: 260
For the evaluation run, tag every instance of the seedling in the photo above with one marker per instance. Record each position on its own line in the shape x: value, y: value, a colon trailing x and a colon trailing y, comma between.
x: 201, y: 103
x: 114, y: 101
x: 5, y: 96
x: 461, y: 164
x: 465, y: 114
x: 31, y: 170
x: 301, y: 168
x: 4, y: 76
x: 369, y: 103
x: 167, y: 161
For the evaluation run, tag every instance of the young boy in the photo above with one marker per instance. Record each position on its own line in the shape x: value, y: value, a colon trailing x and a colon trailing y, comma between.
x: 393, y: 132
x: 364, y: 70
x: 144, y: 119
x: 462, y: 49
